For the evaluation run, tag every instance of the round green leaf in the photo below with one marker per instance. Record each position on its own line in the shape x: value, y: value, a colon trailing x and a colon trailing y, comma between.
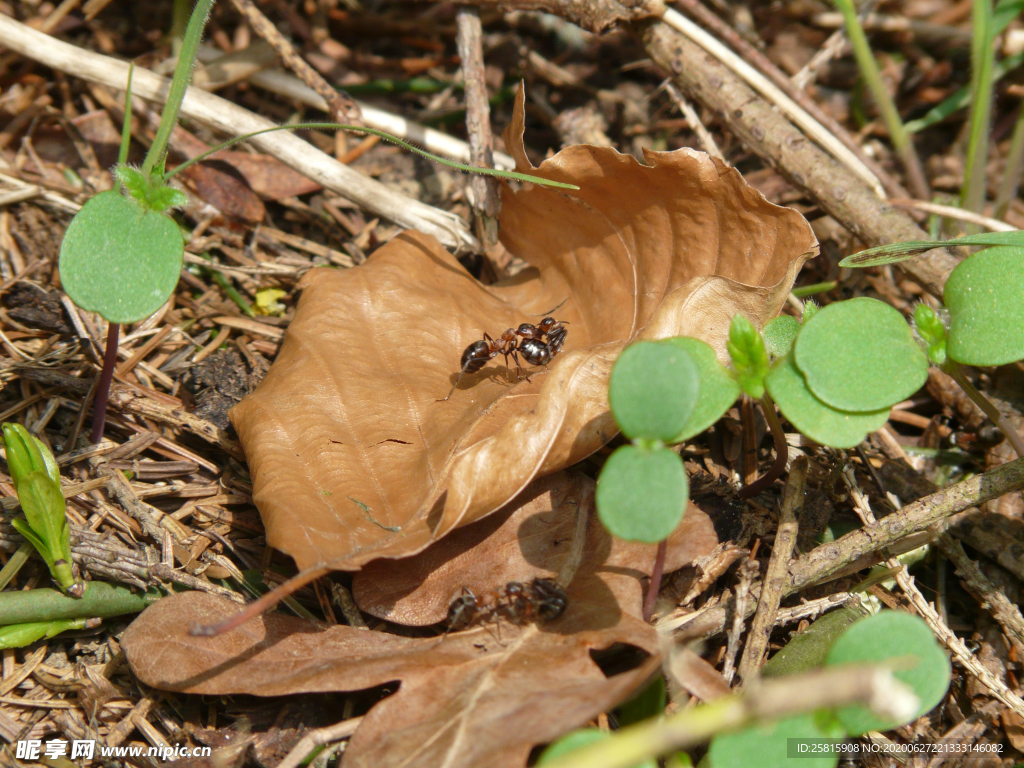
x: 860, y: 355
x: 901, y: 638
x: 120, y: 260
x: 985, y: 298
x: 642, y: 493
x: 718, y: 390
x: 780, y: 334
x: 581, y: 738
x: 820, y: 422
x: 767, y: 746
x: 653, y: 390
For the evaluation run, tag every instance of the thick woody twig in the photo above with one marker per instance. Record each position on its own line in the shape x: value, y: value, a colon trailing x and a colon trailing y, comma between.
x: 824, y: 562
x: 839, y: 192
x: 775, y: 576
x: 343, y: 108
x: 783, y: 83
x: 478, y: 121
x: 232, y: 119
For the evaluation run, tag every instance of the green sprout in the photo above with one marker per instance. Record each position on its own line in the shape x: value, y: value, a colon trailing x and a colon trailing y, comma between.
x: 36, y: 480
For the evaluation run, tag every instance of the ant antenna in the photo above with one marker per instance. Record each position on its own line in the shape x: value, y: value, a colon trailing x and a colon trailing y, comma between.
x: 265, y: 603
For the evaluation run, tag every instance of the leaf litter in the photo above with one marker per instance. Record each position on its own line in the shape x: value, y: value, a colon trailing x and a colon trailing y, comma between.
x: 483, y: 696
x: 354, y: 458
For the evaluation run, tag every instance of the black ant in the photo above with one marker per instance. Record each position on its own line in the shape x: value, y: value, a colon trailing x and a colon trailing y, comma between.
x: 518, y: 604
x: 537, y: 343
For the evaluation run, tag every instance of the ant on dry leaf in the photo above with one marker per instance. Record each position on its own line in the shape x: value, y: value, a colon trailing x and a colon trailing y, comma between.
x: 543, y: 600
x: 538, y: 344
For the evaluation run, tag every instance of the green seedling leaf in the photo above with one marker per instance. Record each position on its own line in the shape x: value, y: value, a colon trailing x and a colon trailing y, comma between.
x: 36, y: 478
x: 985, y: 298
x: 653, y: 390
x: 649, y: 702
x: 642, y: 493
x: 152, y: 194
x: 26, y: 453
x: 749, y: 357
x: 120, y: 259
x: 817, y: 420
x: 780, y: 334
x: 581, y: 738
x: 718, y: 389
x: 20, y: 635
x: 860, y: 355
x: 932, y: 331
x: 810, y: 310
x: 904, y: 641
x: 46, y: 527
x: 809, y: 649
x: 767, y: 746
x: 894, y: 252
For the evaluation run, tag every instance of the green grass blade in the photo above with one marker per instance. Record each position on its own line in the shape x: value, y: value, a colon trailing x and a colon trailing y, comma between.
x: 962, y: 97
x: 894, y: 252
x: 972, y: 196
x: 179, y: 84
x: 387, y: 137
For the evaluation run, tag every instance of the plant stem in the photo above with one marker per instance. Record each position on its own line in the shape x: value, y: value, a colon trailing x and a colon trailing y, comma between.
x: 655, y: 586
x: 986, y: 405
x: 99, y: 408
x: 901, y: 139
x: 100, y: 599
x: 814, y: 289
x: 781, y: 451
x: 182, y: 77
x: 972, y: 196
x: 1014, y: 169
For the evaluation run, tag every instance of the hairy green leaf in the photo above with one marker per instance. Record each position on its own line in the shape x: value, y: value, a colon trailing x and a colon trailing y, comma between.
x: 653, y: 390
x: 642, y: 493
x: 906, y: 642
x: 985, y: 298
x: 860, y: 355
x: 820, y: 422
x: 119, y: 259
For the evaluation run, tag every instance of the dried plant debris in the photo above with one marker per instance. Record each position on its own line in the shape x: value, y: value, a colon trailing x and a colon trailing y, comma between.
x: 349, y: 425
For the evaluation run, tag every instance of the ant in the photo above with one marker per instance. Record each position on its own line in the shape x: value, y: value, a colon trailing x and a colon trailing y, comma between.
x: 537, y: 343
x: 543, y: 600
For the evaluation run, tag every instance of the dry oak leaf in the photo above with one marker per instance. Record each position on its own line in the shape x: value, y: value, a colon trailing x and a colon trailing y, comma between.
x: 483, y: 696
x: 352, y: 455
x: 530, y: 538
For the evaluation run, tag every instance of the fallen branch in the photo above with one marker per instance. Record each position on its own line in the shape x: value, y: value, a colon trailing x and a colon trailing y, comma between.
x: 232, y: 119
x: 828, y: 560
x: 838, y: 191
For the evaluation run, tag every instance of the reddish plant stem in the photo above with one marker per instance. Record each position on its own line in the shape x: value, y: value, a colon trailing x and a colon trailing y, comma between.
x: 99, y: 408
x: 655, y: 585
x: 781, y: 452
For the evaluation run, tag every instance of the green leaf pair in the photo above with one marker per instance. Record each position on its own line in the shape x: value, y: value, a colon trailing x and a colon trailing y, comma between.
x: 843, y: 370
x: 891, y: 638
x: 36, y: 479
x: 660, y: 392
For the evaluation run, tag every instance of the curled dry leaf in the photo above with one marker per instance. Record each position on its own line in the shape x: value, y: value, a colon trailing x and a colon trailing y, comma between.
x: 354, y: 458
x: 483, y: 696
x: 530, y: 538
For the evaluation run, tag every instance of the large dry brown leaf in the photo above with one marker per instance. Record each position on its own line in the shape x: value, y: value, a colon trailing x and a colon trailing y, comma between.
x: 529, y: 538
x: 353, y: 458
x: 484, y: 696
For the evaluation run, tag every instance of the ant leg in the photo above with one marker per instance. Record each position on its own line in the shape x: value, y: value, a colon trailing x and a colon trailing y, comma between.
x: 520, y: 371
x: 452, y: 390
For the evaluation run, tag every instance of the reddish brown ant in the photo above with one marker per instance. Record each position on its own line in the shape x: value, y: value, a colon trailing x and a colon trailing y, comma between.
x: 543, y: 600
x: 537, y: 343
